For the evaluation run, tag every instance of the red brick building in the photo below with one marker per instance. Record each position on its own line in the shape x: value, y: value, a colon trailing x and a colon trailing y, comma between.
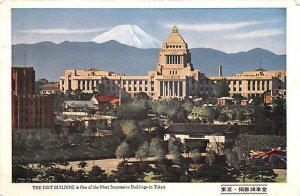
x: 29, y: 111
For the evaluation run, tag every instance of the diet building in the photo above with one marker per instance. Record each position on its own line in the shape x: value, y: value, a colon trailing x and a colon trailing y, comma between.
x: 174, y: 77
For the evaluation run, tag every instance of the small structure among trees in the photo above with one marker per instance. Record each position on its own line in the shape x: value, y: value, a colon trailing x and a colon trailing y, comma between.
x: 216, y: 136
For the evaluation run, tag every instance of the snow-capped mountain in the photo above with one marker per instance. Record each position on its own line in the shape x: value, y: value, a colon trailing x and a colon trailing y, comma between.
x: 131, y: 35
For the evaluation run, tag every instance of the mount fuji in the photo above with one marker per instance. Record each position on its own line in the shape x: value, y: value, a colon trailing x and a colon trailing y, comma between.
x: 131, y: 35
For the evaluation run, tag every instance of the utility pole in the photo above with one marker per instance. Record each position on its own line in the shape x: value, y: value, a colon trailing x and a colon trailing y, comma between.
x: 25, y: 58
x: 120, y: 92
x: 259, y: 62
x: 24, y: 72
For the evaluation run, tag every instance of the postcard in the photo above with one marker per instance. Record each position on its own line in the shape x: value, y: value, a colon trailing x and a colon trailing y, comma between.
x: 149, y: 98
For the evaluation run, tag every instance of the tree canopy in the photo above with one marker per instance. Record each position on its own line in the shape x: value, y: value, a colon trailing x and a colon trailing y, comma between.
x: 221, y: 89
x: 130, y: 128
x: 156, y: 149
x: 123, y: 151
x: 143, y: 151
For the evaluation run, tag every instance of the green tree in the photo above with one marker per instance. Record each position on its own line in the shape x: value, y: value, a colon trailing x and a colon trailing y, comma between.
x: 141, y: 96
x: 143, y: 151
x: 133, y: 111
x: 232, y: 158
x: 240, y: 116
x: 157, y: 149
x: 261, y: 118
x: 196, y: 155
x: 147, y: 124
x: 78, y: 94
x: 221, y: 89
x: 172, y: 109
x: 279, y: 117
x: 211, y: 157
x: 210, y: 113
x: 58, y: 102
x: 180, y: 116
x: 175, y: 150
x: 129, y: 173
x: 100, y: 89
x: 204, y: 121
x: 257, y: 169
x: 223, y: 117
x: 238, y: 97
x: 82, y: 164
x: 123, y: 151
x: 196, y: 120
x: 96, y: 175
x: 188, y: 105
x: 130, y: 128
x: 20, y: 173
x: 38, y: 85
x: 88, y: 132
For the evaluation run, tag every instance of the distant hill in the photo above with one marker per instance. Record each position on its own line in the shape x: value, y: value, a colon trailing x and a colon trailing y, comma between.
x: 50, y: 59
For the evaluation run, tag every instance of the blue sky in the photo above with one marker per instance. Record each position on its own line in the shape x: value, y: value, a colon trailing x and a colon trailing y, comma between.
x: 228, y: 30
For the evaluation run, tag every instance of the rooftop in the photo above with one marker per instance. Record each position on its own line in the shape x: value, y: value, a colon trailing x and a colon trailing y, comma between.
x: 106, y: 99
x: 175, y: 38
x: 227, y: 98
x: 198, y: 128
x: 81, y: 104
x: 50, y: 86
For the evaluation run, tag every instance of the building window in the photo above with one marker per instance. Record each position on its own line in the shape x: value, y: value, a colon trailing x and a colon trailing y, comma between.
x: 69, y: 86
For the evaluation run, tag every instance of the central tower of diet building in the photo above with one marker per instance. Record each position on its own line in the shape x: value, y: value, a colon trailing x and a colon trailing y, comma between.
x: 175, y: 75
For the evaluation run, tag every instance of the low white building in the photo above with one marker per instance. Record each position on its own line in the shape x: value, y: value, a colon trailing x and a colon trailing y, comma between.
x: 216, y: 136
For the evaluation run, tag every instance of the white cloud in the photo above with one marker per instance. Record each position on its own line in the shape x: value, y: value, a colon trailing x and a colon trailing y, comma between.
x: 62, y: 31
x: 256, y: 34
x: 216, y: 26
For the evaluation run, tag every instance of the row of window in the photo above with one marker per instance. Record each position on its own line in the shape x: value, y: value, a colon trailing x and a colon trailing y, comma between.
x: 173, y: 46
x: 25, y: 103
x: 23, y: 85
x: 39, y: 111
x: 86, y: 84
x: 174, y: 59
x: 173, y: 72
x: 264, y: 87
x: 113, y: 89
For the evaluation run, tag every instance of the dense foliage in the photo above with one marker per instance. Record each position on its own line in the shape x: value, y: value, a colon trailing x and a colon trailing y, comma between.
x: 138, y: 132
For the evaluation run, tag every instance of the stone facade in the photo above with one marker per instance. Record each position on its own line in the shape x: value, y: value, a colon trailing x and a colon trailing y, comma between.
x: 253, y: 83
x: 29, y: 111
x: 174, y: 77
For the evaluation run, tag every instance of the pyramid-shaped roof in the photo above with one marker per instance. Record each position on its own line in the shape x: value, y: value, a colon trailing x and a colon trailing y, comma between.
x: 174, y: 37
